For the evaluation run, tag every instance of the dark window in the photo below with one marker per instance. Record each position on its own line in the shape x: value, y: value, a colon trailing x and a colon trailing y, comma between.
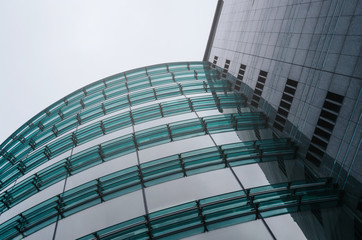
x: 292, y: 83
x: 254, y: 104
x: 325, y: 124
x: 260, y: 86
x: 282, y: 112
x: 280, y: 119
x: 214, y: 62
x: 313, y: 159
x: 257, y: 92
x: 324, y: 128
x: 319, y: 142
x: 287, y: 97
x: 258, y: 89
x: 322, y: 133
x: 256, y: 98
x: 289, y: 90
x: 335, y: 97
x: 331, y: 106
x: 263, y: 73
x: 316, y: 150
x: 285, y: 105
x: 278, y: 126
x: 261, y: 79
x: 328, y: 115
x: 286, y: 102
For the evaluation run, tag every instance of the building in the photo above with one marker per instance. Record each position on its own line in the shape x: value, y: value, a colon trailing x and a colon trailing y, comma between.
x: 191, y: 149
x: 299, y: 62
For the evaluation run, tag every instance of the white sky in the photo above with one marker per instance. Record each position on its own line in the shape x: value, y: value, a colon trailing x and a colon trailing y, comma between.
x: 50, y: 48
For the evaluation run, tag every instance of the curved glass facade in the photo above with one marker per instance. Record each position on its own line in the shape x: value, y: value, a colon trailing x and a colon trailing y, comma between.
x: 166, y: 151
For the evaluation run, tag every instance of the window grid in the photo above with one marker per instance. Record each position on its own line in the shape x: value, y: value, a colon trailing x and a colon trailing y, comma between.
x: 285, y: 104
x: 324, y: 128
x: 258, y: 88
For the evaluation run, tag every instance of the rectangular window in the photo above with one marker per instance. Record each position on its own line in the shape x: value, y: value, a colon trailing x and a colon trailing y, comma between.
x: 241, y: 72
x: 214, y: 62
x: 285, y: 104
x: 226, y: 68
x: 258, y: 88
x: 323, y: 130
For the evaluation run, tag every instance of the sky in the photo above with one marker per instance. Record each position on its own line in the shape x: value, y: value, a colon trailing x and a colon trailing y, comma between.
x: 50, y: 48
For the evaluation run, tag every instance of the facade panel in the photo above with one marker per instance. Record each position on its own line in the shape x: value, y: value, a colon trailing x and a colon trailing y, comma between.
x: 264, y: 133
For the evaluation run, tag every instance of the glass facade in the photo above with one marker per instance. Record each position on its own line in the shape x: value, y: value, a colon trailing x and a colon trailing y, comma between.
x: 168, y: 151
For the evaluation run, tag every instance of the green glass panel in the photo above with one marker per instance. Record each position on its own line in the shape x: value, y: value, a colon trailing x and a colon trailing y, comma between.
x: 167, y: 168
x: 85, y: 159
x: 160, y: 179
x: 91, y: 114
x: 229, y: 222
x: 142, y: 96
x: 116, y: 79
x: 88, y: 133
x: 115, y: 91
x: 52, y: 174
x: 161, y: 79
x: 167, y: 211
x: 118, y: 147
x: 156, y: 70
x: 43, y: 138
x: 193, y: 87
x: 117, y: 122
x: 116, y: 104
x: 93, y: 99
x: 66, y: 125
x: 135, y: 74
x: 175, y: 107
x: 187, y: 128
x: 205, y: 168
x: 146, y: 114
x: 150, y: 137
x: 138, y: 85
x: 202, y: 103
x: 75, y: 96
x: 177, y: 67
x: 184, y: 76
x: 193, y: 221
x: 168, y: 91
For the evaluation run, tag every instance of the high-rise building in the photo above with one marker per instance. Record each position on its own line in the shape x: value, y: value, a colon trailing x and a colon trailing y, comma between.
x: 243, y: 145
x: 300, y: 63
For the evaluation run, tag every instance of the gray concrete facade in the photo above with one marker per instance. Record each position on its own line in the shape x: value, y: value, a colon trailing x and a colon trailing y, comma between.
x: 317, y: 44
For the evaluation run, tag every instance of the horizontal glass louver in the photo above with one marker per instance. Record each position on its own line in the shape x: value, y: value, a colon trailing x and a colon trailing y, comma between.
x: 65, y: 107
x: 156, y: 171
x: 206, y: 214
x: 221, y: 211
x: 10, y: 172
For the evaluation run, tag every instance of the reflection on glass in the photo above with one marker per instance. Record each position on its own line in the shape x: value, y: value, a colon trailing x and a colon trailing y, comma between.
x: 176, y: 147
x: 284, y: 227
x: 225, y: 138
x: 101, y: 216
x: 193, y: 187
x: 106, y: 168
x: 251, y: 175
x: 254, y: 230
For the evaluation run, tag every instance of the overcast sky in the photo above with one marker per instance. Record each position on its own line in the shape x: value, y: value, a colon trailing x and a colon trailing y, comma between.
x: 50, y: 48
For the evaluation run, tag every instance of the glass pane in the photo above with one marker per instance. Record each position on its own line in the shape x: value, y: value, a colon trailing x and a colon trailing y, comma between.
x: 101, y: 216
x: 176, y: 147
x: 285, y: 227
x: 248, y: 230
x: 194, y: 187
